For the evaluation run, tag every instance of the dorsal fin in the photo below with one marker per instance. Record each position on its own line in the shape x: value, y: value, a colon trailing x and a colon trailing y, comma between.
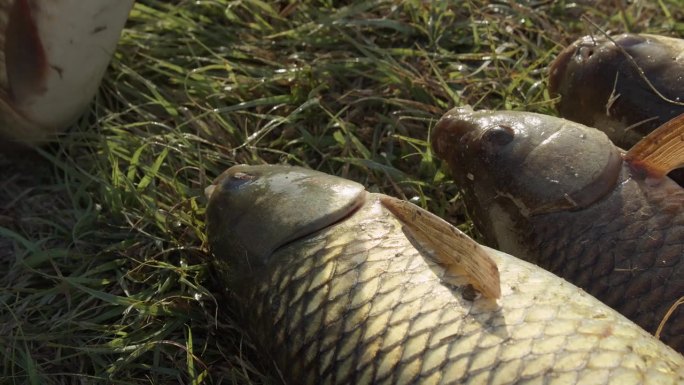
x: 452, y: 247
x: 25, y: 57
x: 659, y: 152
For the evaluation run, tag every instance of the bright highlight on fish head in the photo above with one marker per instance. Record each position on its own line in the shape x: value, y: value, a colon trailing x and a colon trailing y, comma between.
x: 537, y: 163
x: 254, y: 210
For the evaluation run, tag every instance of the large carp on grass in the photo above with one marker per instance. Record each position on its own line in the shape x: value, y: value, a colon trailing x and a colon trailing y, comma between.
x: 561, y: 195
x: 339, y: 285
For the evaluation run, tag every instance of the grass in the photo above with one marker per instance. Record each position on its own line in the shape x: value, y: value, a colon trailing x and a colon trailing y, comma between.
x: 102, y: 247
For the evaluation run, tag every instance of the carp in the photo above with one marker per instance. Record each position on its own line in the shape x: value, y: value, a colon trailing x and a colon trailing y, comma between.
x: 625, y: 85
x: 53, y: 56
x: 340, y: 285
x: 563, y: 196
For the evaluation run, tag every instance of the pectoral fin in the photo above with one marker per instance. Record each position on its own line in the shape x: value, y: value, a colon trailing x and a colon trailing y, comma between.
x: 25, y: 57
x: 452, y: 247
x: 659, y: 152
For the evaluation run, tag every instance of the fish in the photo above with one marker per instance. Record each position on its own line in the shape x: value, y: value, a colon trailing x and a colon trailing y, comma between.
x: 561, y: 195
x: 626, y: 85
x: 53, y: 57
x: 336, y: 284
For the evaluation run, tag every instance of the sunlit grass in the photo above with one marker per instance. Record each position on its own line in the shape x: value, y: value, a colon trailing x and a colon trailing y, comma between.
x: 102, y: 247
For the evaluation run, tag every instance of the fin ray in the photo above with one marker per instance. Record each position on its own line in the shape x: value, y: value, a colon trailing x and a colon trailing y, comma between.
x: 659, y: 152
x: 452, y: 247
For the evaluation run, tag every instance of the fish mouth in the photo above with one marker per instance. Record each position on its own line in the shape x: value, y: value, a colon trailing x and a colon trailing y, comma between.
x: 209, y: 191
x: 559, y: 67
x: 451, y: 130
x: 456, y: 140
x: 578, y: 53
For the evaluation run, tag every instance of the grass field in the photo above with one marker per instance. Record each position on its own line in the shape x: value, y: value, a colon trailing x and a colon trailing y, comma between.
x: 105, y: 263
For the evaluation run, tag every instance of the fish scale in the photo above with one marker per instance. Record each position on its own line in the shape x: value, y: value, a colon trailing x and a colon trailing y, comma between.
x: 358, y: 302
x: 634, y: 242
x: 615, y: 228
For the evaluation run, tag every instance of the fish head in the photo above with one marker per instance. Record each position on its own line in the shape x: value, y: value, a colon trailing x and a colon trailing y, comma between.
x: 254, y: 210
x: 600, y: 82
x: 535, y: 163
x: 583, y: 75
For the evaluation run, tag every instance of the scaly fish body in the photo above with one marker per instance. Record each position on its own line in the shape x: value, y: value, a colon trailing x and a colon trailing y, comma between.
x: 53, y: 56
x: 602, y: 83
x: 354, y: 300
x: 558, y: 193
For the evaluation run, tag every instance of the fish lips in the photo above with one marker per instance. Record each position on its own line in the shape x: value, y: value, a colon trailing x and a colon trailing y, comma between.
x: 573, y: 72
x: 459, y: 136
x: 451, y: 134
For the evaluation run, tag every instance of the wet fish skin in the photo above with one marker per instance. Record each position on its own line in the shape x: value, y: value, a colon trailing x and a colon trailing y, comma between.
x: 624, y: 245
x: 357, y: 302
x: 599, y: 86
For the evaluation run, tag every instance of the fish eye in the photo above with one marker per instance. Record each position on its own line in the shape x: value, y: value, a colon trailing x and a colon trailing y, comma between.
x: 237, y: 179
x: 241, y: 176
x: 630, y: 40
x: 585, y: 52
x: 499, y: 135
